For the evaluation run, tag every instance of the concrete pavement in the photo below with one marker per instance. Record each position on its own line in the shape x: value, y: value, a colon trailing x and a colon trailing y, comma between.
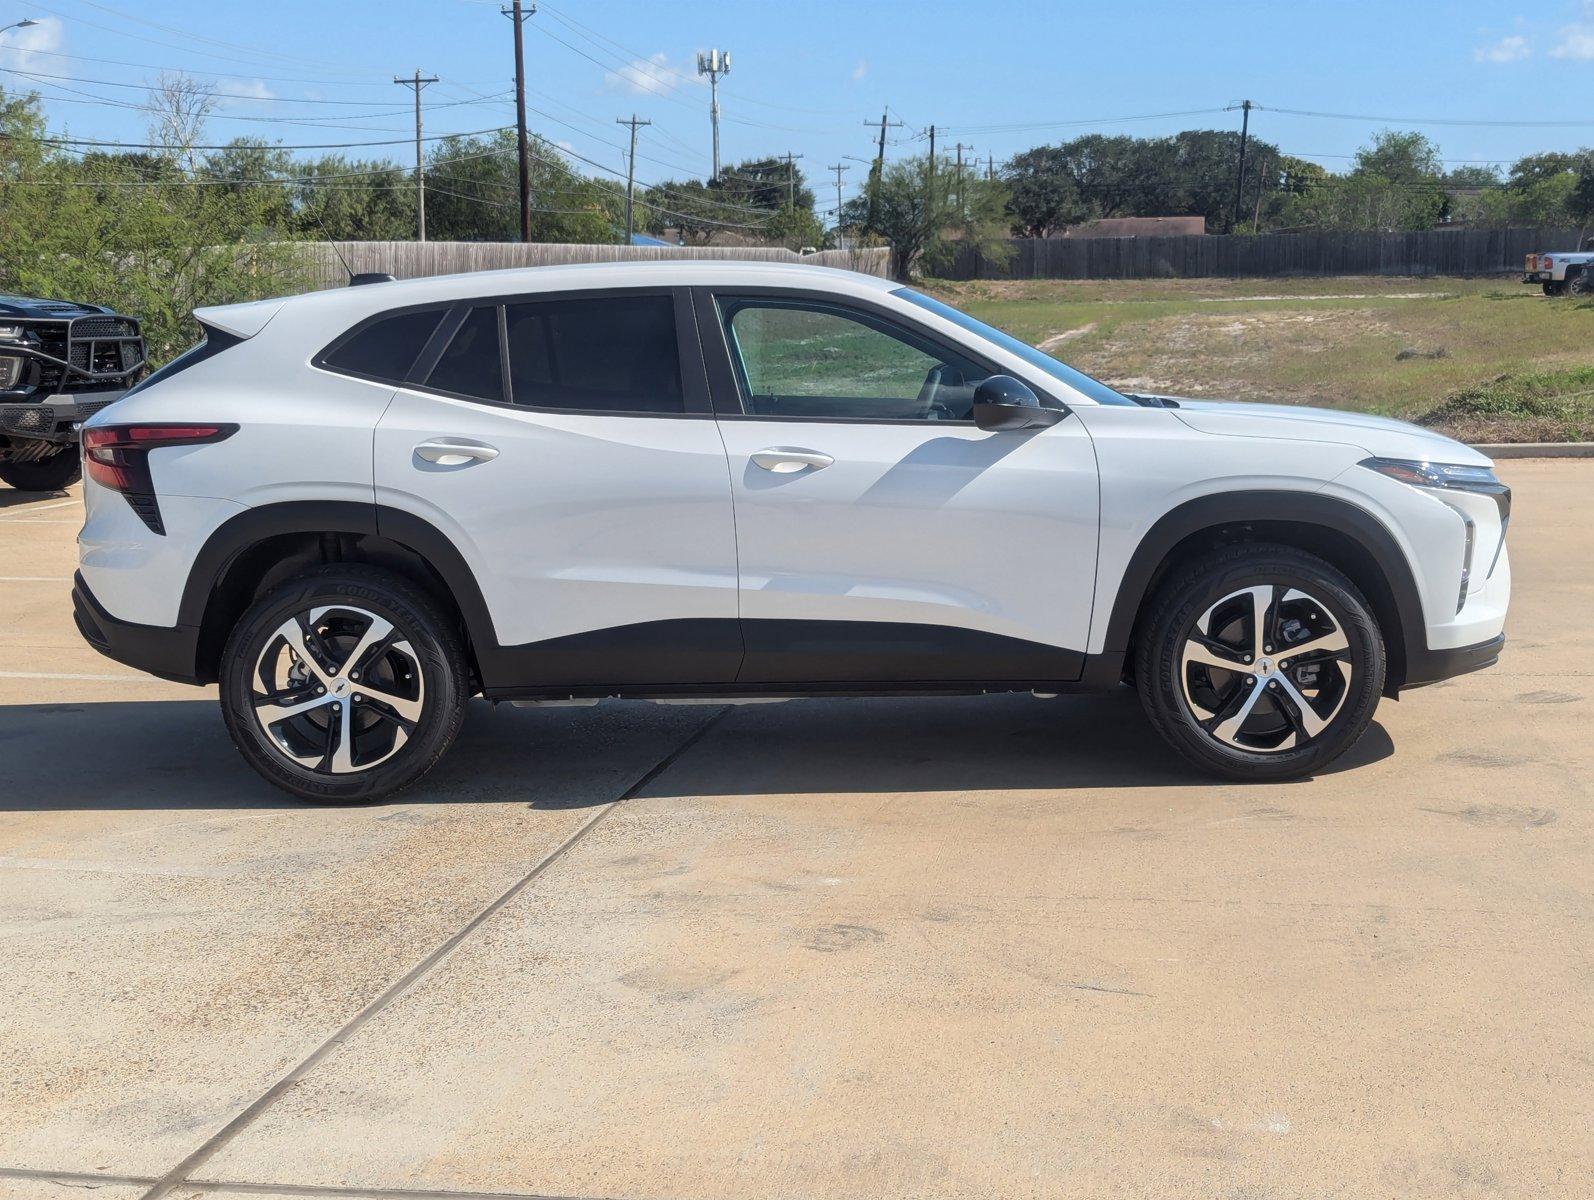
x: 825, y: 948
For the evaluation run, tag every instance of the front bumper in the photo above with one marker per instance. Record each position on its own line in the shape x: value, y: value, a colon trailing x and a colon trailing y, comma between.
x: 1432, y: 666
x: 55, y: 419
x: 170, y: 652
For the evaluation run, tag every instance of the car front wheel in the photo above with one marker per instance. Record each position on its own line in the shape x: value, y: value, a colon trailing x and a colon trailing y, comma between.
x: 1259, y: 663
x: 344, y: 684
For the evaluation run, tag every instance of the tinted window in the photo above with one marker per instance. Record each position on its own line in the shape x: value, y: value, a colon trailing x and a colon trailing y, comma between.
x: 472, y: 365
x: 388, y: 348
x: 610, y: 354
x: 799, y: 359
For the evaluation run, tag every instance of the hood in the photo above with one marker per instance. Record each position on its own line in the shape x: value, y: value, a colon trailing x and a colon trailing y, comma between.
x: 28, y: 306
x: 1380, y: 436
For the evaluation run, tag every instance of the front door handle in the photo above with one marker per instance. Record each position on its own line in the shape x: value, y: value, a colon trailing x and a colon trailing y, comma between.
x: 783, y: 460
x: 455, y: 452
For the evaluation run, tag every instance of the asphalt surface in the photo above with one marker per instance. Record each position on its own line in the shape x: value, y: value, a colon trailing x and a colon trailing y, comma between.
x: 983, y: 947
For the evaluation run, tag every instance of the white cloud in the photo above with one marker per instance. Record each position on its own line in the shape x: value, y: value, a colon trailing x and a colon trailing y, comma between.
x: 249, y: 89
x: 1577, y: 39
x: 1506, y: 50
x: 861, y: 69
x: 27, y: 43
x: 651, y: 76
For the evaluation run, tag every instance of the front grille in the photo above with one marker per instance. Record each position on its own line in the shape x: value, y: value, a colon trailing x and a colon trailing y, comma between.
x: 103, y: 327
x: 87, y: 408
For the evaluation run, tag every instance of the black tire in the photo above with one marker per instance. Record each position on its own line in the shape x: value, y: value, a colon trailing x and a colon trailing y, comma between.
x: 1552, y: 288
x: 430, y: 667
x: 1307, y: 601
x: 1577, y: 285
x: 52, y: 474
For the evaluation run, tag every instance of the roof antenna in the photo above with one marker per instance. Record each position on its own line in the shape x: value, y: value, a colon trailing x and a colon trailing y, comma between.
x: 355, y: 280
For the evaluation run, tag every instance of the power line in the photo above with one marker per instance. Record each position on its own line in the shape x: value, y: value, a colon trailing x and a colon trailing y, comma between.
x: 440, y: 137
x: 1301, y: 112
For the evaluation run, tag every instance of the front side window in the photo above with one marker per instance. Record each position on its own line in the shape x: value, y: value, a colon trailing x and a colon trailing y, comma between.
x: 473, y: 363
x: 809, y: 359
x: 596, y: 354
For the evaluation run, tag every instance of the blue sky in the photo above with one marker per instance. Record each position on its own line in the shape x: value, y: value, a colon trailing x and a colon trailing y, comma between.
x: 999, y: 75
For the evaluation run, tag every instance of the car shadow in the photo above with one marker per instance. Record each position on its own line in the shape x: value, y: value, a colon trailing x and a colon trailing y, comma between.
x: 12, y: 498
x: 175, y: 754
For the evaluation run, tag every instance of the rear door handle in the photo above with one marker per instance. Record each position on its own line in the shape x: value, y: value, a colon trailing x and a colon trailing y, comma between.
x: 455, y: 452
x: 783, y: 460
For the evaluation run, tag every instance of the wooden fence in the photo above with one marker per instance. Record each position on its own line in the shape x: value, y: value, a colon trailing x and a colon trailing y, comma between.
x: 1434, y: 252
x: 410, y: 260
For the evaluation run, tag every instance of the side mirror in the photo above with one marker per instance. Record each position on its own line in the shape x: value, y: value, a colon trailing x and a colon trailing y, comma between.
x: 1003, y: 403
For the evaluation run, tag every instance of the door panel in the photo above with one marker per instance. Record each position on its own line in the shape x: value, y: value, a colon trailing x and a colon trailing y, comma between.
x: 579, y: 525
x: 598, y: 524
x: 877, y: 548
x: 980, y: 547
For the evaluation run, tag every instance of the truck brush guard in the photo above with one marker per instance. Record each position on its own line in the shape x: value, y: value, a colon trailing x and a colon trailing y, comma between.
x: 80, y: 354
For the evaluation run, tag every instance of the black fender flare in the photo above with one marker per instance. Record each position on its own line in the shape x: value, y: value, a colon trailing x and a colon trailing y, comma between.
x: 1338, y: 516
x: 254, y: 525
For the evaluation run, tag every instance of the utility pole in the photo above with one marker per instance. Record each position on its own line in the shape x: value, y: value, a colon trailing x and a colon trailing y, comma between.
x: 790, y: 160
x: 519, y: 17
x: 418, y: 82
x: 960, y: 149
x: 932, y: 154
x: 630, y: 171
x: 714, y: 64
x: 990, y: 168
x: 838, y: 168
x: 879, y: 162
x: 1239, y: 176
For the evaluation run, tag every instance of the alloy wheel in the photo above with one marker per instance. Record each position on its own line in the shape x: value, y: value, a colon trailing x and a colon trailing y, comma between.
x: 337, y: 689
x: 1265, y: 669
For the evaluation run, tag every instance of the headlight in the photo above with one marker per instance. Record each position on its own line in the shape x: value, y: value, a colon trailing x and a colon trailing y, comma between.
x: 1453, y: 477
x: 10, y: 333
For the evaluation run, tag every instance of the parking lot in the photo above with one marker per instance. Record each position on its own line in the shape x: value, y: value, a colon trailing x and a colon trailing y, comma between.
x: 883, y: 948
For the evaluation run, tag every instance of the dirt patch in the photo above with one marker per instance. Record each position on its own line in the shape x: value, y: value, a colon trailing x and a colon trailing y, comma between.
x: 1229, y: 355
x: 1068, y: 335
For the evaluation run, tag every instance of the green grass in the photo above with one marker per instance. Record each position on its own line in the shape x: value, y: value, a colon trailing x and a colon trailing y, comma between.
x: 1541, y: 406
x: 1397, y: 346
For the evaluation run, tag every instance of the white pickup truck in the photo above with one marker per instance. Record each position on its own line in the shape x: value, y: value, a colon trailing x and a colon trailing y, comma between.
x: 1568, y: 273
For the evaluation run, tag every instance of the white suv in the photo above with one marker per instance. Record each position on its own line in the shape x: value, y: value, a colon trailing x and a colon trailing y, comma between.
x: 355, y: 509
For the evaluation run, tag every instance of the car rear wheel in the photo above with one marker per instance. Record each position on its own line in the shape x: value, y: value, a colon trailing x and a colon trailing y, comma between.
x: 51, y: 474
x: 1259, y: 662
x: 1578, y: 284
x: 344, y: 684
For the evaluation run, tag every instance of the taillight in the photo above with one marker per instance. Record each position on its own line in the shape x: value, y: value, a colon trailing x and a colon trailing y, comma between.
x: 1546, y: 263
x: 117, y: 457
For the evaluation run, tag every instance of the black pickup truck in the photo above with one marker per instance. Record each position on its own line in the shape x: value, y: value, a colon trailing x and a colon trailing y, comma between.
x: 60, y: 363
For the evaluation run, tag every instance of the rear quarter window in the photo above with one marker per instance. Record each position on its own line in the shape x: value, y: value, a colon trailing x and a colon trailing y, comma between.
x: 384, y: 349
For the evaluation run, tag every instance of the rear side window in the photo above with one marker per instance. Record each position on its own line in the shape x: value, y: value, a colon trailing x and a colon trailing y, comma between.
x: 385, y: 349
x: 602, y: 354
x: 473, y: 363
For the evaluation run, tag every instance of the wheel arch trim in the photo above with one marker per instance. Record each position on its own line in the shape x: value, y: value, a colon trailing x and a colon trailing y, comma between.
x: 1207, y: 513
x: 255, y: 525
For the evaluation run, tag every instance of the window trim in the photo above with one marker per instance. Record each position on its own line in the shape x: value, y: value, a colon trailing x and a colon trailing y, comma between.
x: 689, y: 352
x: 730, y: 401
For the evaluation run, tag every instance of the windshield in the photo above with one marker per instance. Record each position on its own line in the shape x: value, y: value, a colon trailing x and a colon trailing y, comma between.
x: 1041, y: 361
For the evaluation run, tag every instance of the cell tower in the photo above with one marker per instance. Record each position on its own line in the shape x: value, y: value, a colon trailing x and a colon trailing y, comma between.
x: 714, y: 64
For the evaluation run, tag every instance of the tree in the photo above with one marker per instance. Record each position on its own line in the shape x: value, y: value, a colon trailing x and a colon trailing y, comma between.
x: 795, y: 228
x: 179, y: 106
x: 1043, y: 196
x: 472, y: 194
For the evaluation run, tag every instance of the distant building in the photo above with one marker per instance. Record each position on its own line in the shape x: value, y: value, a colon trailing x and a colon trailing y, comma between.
x: 1114, y: 227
